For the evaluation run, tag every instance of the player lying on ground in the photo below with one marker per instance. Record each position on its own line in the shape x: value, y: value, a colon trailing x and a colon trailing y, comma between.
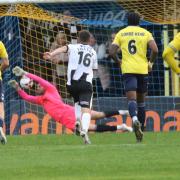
x: 169, y: 52
x: 51, y: 101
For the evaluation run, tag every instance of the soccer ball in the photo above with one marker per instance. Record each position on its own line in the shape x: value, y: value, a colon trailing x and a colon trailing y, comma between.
x: 26, y: 83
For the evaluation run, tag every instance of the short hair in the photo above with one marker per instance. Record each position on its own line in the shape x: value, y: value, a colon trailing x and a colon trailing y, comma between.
x: 133, y: 19
x: 84, y: 36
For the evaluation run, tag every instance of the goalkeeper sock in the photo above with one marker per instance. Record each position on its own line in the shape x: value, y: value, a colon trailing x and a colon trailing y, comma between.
x: 111, y: 113
x: 103, y: 128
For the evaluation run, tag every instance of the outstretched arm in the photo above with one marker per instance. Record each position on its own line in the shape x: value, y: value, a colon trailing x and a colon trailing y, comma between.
x: 40, y: 80
x: 23, y: 94
x: 29, y: 98
x: 20, y: 72
x: 50, y: 55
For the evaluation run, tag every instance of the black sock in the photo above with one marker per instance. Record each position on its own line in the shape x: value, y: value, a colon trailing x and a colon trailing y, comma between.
x: 111, y: 113
x: 141, y: 114
x: 102, y: 128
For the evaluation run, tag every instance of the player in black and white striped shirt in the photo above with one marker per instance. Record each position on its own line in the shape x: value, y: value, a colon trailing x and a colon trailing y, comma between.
x: 82, y: 62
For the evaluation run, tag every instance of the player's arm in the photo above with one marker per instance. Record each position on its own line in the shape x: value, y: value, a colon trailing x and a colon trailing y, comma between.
x: 4, y: 57
x: 169, y: 52
x: 154, y: 52
x: 40, y: 80
x: 113, y: 52
x: 23, y: 94
x: 114, y: 48
x: 20, y: 72
x: 50, y: 55
x: 95, y: 63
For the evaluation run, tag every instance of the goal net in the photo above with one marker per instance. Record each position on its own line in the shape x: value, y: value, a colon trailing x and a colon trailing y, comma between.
x: 28, y: 30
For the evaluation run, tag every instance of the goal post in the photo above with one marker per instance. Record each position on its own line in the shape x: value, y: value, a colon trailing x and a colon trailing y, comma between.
x: 46, y: 1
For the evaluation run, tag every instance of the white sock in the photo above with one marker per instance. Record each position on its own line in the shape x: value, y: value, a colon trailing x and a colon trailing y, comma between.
x: 77, y: 111
x: 123, y: 112
x: 85, y: 121
x: 134, y: 118
x: 120, y: 127
x: 124, y: 127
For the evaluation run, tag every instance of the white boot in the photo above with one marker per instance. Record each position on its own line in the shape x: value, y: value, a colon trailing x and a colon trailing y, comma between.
x: 124, y: 127
x: 85, y: 137
x: 127, y: 128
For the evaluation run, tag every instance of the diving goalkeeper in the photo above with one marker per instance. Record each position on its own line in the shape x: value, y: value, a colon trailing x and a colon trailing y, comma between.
x: 169, y: 52
x: 52, y: 103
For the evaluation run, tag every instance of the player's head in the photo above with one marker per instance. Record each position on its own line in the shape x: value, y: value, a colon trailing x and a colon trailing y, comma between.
x: 61, y: 39
x: 84, y: 36
x: 133, y: 19
x: 40, y: 90
x: 92, y: 41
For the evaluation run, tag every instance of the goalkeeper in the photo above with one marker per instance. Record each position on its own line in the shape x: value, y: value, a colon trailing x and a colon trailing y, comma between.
x: 51, y: 101
x: 169, y: 52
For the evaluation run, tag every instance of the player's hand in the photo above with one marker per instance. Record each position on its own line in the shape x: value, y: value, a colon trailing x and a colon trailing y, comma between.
x: 13, y: 84
x: 120, y: 62
x: 47, y: 55
x: 18, y: 71
x: 150, y: 66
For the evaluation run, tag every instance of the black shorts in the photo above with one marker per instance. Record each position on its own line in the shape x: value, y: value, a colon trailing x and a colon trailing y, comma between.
x: 1, y: 92
x: 135, y: 82
x: 82, y: 92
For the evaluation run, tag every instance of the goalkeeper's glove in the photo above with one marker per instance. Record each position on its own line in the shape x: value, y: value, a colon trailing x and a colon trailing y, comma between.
x: 13, y: 84
x: 18, y: 71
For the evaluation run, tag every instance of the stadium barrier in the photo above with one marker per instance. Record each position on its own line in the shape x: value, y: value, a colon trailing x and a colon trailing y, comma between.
x: 38, y: 122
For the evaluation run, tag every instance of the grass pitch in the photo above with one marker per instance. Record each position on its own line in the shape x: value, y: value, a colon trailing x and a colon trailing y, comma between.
x: 111, y: 156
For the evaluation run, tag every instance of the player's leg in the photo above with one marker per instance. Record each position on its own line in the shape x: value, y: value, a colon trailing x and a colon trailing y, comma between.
x: 98, y: 115
x: 141, y: 94
x: 72, y: 89
x: 82, y: 94
x: 85, y: 101
x: 2, y: 135
x: 104, y: 128
x: 85, y: 122
x: 77, y: 108
x: 130, y: 84
x: 141, y: 109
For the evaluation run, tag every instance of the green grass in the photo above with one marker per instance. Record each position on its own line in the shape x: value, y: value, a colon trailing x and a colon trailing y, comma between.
x: 111, y: 156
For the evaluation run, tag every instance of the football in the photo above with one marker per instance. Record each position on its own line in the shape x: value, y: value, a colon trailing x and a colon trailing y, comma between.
x: 26, y: 83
